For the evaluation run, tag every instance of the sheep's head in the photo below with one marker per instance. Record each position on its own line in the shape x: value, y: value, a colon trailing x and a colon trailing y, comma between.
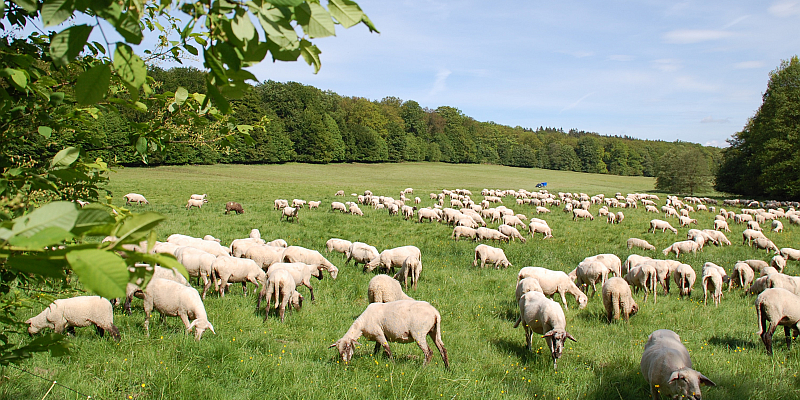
x: 555, y: 339
x: 32, y: 330
x: 685, y: 383
x: 200, y: 326
x: 346, y: 348
x: 582, y: 300
x: 333, y: 271
x: 634, y: 308
x: 297, y: 300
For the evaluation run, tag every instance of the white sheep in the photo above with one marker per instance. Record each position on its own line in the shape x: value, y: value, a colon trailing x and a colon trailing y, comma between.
x: 411, y: 267
x: 338, y: 206
x: 175, y: 300
x: 632, y: 261
x: 132, y: 290
x: 135, y: 198
x: 240, y: 246
x: 777, y: 226
x: 749, y: 235
x: 536, y: 227
x: 660, y: 224
x: 580, y: 213
x: 511, y: 232
x: 790, y: 283
x: 617, y: 299
x: 463, y: 231
x: 778, y: 262
x: 590, y: 273
x: 194, y: 203
x: 264, y: 255
x: 231, y: 269
x: 686, y: 246
x: 361, y: 253
x: 775, y: 307
x: 645, y: 277
x: 712, y: 280
x: 384, y: 289
x: 278, y: 243
x: 197, y: 262
x: 742, y: 276
x: 766, y: 244
x: 620, y: 216
x: 684, y: 277
x: 527, y: 285
x: 279, y: 204
x: 66, y: 314
x: 390, y: 259
x: 611, y: 261
x: 339, y: 246
x: 718, y: 236
x: 290, y: 212
x: 490, y: 234
x: 492, y: 255
x: 311, y: 257
x: 790, y: 253
x: 641, y: 243
x: 301, y: 273
x: 280, y: 284
x: 721, y: 225
x: 553, y: 282
x: 400, y: 321
x: 427, y: 213
x: 667, y: 367
x: 538, y: 314
x: 314, y: 204
x: 298, y: 203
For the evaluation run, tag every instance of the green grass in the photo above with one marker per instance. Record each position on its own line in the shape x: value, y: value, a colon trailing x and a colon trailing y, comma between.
x: 249, y: 358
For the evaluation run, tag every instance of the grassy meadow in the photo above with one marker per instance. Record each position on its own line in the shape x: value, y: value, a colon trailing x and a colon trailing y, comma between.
x: 249, y: 358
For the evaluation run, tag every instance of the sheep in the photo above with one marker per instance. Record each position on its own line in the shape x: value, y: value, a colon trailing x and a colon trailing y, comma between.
x: 408, y: 212
x: 232, y: 269
x: 400, y: 321
x: 384, y: 289
x: 490, y: 234
x: 778, y: 262
x: 355, y: 210
x: 617, y: 298
x: 194, y: 203
x: 741, y: 276
x: 132, y: 290
x: 749, y: 235
x: 391, y: 258
x: 663, y: 225
x: 361, y: 253
x: 492, y: 255
x: 311, y: 257
x: 538, y: 314
x: 412, y: 266
x: 790, y: 253
x: 553, y: 282
x: 700, y: 237
x: 650, y: 208
x: 667, y: 367
x: 527, y: 285
x: 511, y: 232
x: 542, y: 210
x: 766, y: 244
x: 721, y: 226
x: 197, y: 262
x: 512, y: 220
x: 536, y: 227
x: 790, y: 283
x: 632, y: 261
x: 718, y: 236
x: 233, y: 206
x: 775, y: 307
x: 591, y: 272
x: 620, y: 217
x: 712, y: 280
x: 314, y: 204
x: 281, y: 284
x: 759, y: 285
x: 612, y: 218
x: 463, y: 231
x: 641, y: 243
x: 66, y: 314
x: 240, y: 246
x: 777, y: 226
x: 339, y: 246
x: 279, y: 204
x: 298, y: 203
x: 427, y: 213
x: 643, y: 276
x: 756, y: 265
x: 338, y: 206
x: 611, y: 261
x: 134, y: 198
x: 580, y: 213
x: 339, y: 193
x: 686, y: 221
x: 753, y: 225
x: 175, y: 300
x: 264, y: 255
x: 685, y: 246
x: 290, y: 212
x: 684, y: 277
x: 301, y: 273
x: 212, y: 238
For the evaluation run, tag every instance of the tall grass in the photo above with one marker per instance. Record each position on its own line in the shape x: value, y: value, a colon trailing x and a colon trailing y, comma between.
x: 249, y: 358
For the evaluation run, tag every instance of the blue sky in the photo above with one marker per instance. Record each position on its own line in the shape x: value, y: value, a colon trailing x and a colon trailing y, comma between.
x: 692, y: 70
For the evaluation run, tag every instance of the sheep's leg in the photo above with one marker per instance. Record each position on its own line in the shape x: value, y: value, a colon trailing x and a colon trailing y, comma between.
x: 787, y: 331
x: 766, y: 336
x: 244, y: 288
x: 311, y: 290
x: 100, y: 331
x: 528, y: 337
x: 270, y: 289
x: 564, y: 299
x: 385, y: 343
x: 206, y: 286
x: 423, y: 344
x: 377, y: 347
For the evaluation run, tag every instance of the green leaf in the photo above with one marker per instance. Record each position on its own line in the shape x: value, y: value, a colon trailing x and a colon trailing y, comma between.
x: 62, y: 214
x: 30, y: 6
x: 315, y: 20
x: 37, y: 264
x: 46, y: 237
x: 141, y: 145
x: 92, y: 85
x: 129, y: 66
x: 130, y: 29
x: 65, y: 157
x: 45, y: 131
x: 55, y: 12
x: 68, y: 44
x: 18, y: 77
x: 101, y: 271
x: 286, y: 3
x: 229, y: 56
x: 164, y: 260
x: 347, y: 12
x: 242, y: 27
x: 94, y: 221
x: 219, y: 100
x: 137, y: 226
x: 181, y: 95
x: 191, y: 49
x: 215, y: 65
x: 310, y: 53
x: 56, y: 99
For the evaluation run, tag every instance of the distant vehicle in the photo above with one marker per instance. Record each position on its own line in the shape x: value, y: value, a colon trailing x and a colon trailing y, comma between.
x: 541, y: 184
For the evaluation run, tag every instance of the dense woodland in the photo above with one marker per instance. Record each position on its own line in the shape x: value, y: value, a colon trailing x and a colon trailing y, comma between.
x: 306, y: 124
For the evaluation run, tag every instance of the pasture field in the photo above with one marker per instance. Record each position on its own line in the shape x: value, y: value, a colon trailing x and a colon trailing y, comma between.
x: 249, y: 358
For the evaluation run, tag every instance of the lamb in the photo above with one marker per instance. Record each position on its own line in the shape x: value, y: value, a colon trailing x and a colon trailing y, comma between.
x: 617, y: 298
x: 721, y: 225
x: 778, y: 307
x: 355, y: 210
x: 712, y: 280
x: 400, y: 321
x: 766, y: 244
x: 384, y: 289
x: 641, y: 243
x: 314, y: 204
x: 175, y: 300
x: 339, y: 193
x: 339, y: 246
x: 580, y: 213
x: 490, y: 254
x: 194, y: 203
x: 490, y: 234
x: 338, y: 206
x: 663, y: 225
x: 553, y: 282
x: 233, y: 206
x: 741, y: 276
x: 361, y: 253
x: 301, y: 273
x: 536, y: 227
x: 790, y: 253
x: 538, y: 314
x: 310, y: 257
x: 134, y: 198
x: 684, y: 277
x: 290, y: 212
x: 643, y: 276
x: 412, y: 266
x: 685, y: 246
x: 511, y: 232
x: 777, y: 226
x: 463, y: 231
x: 667, y: 367
x: 620, y: 216
x: 298, y: 203
x: 66, y: 314
x: 527, y: 285
x: 391, y: 258
x: 281, y: 284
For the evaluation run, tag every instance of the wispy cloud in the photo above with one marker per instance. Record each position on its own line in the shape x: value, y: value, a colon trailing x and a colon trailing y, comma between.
x: 689, y: 36
x: 716, y: 143
x: 784, y: 8
x: 710, y: 120
x: 667, y: 65
x: 439, y: 85
x: 748, y: 65
x: 575, y: 104
x: 620, y: 57
x: 736, y: 21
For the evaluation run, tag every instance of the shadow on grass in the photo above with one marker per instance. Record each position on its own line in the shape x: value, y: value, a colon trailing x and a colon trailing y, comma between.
x: 518, y: 349
x: 732, y: 343
x: 620, y: 380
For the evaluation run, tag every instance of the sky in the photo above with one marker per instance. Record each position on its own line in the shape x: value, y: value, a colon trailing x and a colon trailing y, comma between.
x: 692, y: 71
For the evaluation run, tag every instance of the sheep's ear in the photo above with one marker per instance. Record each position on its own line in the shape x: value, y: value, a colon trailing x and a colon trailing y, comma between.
x: 335, y: 343
x: 675, y: 376
x: 355, y: 342
x: 551, y: 333
x: 212, y: 328
x: 192, y: 325
x: 569, y: 336
x: 705, y: 381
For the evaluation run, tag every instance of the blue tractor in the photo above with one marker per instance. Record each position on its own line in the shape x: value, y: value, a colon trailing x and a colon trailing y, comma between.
x: 541, y: 185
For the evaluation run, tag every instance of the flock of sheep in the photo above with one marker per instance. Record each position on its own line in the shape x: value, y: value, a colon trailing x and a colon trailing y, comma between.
x: 278, y: 270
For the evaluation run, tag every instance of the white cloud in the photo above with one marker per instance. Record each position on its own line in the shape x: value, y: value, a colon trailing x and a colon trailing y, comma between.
x: 716, y: 143
x: 667, y: 65
x: 689, y: 36
x: 620, y: 57
x: 748, y: 65
x: 784, y: 8
x: 710, y: 120
x: 440, y: 84
x: 575, y: 104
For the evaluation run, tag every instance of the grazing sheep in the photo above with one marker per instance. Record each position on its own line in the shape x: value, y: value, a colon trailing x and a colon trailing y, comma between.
x: 667, y: 367
x: 232, y: 269
x: 175, y: 300
x: 361, y: 253
x: 298, y: 203
x: 790, y: 253
x: 391, y: 258
x: 641, y: 243
x: 339, y: 246
x: 777, y: 226
x: 338, y: 206
x: 527, y: 285
x: 790, y: 283
x: 749, y: 235
x: 240, y: 246
x: 645, y: 277
x: 712, y: 280
x: 513, y: 220
x: 134, y: 198
x: 611, y: 261
x: 233, y: 206
x: 538, y: 314
x: 775, y: 307
x: 684, y: 277
x: 718, y: 236
x: 632, y: 261
x: 197, y: 262
x: 429, y: 214
x: 400, y: 321
x: 490, y: 234
x: 313, y: 258
x: 620, y: 216
x: 66, y: 314
x: 742, y: 276
x: 753, y: 225
x: 355, y: 210
x: 553, y: 282
x: 384, y: 289
x: 686, y: 246
x: 663, y: 225
x: 686, y: 221
x: 194, y: 203
x: 721, y: 225
x: 580, y: 213
x: 492, y: 255
x: 301, y: 273
x: 511, y: 232
x: 536, y: 227
x: 339, y: 193
x: 280, y: 284
x: 590, y: 273
x: 412, y: 266
x: 766, y: 244
x: 264, y: 255
x: 463, y: 231
x: 756, y: 265
x: 279, y: 204
x: 778, y: 262
x: 132, y: 290
x: 290, y: 212
x: 617, y: 298
x: 314, y: 204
